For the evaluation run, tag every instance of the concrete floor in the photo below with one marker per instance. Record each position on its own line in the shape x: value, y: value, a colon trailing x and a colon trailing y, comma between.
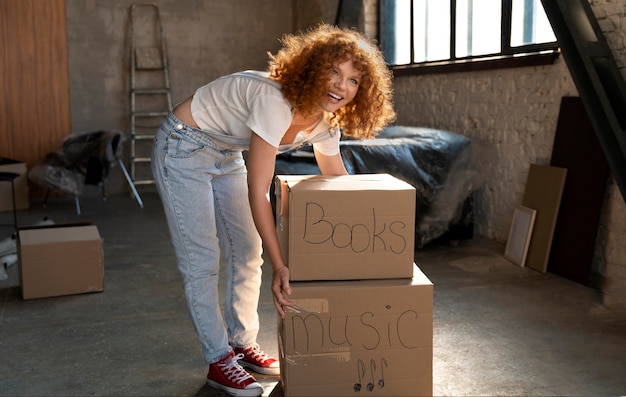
x: 498, y: 329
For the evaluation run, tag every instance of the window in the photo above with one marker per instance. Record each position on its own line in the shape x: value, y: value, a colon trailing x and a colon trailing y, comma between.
x: 426, y: 33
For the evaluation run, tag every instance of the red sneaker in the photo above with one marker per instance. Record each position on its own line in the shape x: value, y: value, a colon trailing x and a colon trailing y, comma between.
x: 257, y: 360
x: 227, y: 375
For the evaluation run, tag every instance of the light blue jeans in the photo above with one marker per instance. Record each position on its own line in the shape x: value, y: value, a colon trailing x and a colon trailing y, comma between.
x: 202, y: 182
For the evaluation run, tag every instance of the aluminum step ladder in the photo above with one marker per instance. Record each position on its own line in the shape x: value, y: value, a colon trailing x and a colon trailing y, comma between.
x: 596, y: 75
x: 150, y: 97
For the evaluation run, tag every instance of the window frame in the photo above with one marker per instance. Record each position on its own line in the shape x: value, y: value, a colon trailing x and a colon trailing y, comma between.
x: 509, y: 57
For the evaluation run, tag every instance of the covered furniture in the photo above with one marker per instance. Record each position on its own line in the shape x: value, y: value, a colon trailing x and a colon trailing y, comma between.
x: 439, y: 164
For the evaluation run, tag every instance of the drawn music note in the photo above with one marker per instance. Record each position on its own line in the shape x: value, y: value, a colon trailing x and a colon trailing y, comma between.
x: 383, y: 365
x: 361, y: 370
x: 370, y: 385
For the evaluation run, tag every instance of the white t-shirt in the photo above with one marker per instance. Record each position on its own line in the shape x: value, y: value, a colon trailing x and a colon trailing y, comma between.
x: 240, y: 103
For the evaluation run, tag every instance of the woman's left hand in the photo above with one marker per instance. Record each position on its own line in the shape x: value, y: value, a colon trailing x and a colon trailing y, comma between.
x: 280, y: 288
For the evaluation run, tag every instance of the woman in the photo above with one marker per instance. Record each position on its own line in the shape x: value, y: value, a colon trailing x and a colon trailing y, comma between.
x: 319, y: 83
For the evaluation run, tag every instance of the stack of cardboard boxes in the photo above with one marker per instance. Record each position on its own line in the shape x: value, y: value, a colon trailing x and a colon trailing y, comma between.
x: 362, y: 320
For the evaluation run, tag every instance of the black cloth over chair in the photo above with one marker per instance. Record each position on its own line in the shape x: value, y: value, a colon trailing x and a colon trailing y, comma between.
x: 84, y: 159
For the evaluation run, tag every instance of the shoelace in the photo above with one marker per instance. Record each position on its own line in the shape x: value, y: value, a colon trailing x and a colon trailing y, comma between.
x: 233, y: 370
x: 258, y: 354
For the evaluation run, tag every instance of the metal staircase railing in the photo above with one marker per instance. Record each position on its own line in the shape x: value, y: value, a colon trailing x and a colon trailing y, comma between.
x: 596, y: 75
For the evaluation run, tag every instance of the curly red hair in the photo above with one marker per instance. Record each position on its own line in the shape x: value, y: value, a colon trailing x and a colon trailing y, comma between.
x: 305, y: 62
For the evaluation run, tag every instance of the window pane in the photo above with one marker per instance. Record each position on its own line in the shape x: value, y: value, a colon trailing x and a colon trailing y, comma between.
x: 529, y: 24
x: 396, y: 31
x: 478, y: 27
x: 431, y: 30
x: 420, y: 31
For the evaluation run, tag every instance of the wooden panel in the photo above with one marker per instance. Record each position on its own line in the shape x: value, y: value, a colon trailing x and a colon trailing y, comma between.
x: 5, y: 135
x: 34, y: 98
x: 544, y: 189
x: 576, y: 148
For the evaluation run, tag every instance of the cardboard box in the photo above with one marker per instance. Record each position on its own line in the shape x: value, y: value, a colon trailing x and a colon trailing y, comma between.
x: 21, y: 186
x: 349, y: 338
x: 346, y: 227
x: 60, y: 260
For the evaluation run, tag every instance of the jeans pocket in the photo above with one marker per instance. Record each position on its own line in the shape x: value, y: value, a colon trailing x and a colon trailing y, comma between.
x: 180, y: 146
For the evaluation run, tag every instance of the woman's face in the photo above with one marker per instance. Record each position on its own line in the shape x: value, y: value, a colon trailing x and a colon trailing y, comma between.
x: 342, y: 86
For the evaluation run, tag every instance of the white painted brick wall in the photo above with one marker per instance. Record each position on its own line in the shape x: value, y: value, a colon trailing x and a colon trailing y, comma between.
x: 513, y: 113
x: 611, y: 242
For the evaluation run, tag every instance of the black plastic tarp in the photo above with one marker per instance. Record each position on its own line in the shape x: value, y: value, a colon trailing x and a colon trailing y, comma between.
x: 441, y: 165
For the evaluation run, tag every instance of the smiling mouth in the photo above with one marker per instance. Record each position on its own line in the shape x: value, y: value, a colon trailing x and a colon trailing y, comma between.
x: 335, y: 97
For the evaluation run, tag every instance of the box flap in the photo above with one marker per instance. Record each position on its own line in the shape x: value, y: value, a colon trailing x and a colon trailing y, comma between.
x: 60, y: 233
x: 367, y: 182
x: 56, y: 225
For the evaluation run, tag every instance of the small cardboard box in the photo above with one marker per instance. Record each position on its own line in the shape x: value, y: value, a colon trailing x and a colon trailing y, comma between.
x: 20, y: 183
x: 63, y: 259
x: 347, y: 338
x: 346, y: 227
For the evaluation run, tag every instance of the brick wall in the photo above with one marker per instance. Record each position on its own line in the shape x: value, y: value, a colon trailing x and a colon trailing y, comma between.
x: 611, y: 242
x: 512, y: 113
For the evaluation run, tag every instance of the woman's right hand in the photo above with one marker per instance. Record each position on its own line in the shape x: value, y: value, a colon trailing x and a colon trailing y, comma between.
x: 280, y: 288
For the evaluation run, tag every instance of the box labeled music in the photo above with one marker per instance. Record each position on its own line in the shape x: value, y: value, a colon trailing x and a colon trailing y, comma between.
x: 350, y: 338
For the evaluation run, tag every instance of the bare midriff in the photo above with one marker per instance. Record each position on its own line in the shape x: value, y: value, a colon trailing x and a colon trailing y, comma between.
x: 183, y: 113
